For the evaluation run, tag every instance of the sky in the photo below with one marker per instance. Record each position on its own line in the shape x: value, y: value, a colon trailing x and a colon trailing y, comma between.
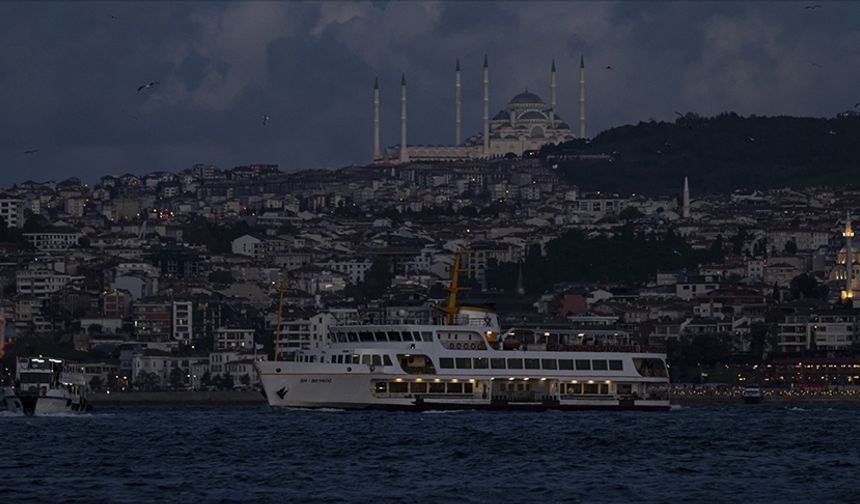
x: 69, y: 74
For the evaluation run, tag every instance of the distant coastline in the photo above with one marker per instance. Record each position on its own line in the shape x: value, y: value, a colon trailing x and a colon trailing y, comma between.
x: 190, y: 398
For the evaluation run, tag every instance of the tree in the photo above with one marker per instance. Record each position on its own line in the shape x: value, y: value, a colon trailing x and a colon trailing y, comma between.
x: 245, y: 379
x: 177, y: 378
x: 790, y: 247
x: 805, y: 286
x: 96, y: 384
x: 226, y: 382
x: 221, y: 277
x: 206, y: 379
x: 630, y: 214
x: 147, y: 381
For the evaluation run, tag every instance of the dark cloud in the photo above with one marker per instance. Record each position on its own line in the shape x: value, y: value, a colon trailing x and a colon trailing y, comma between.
x: 70, y: 73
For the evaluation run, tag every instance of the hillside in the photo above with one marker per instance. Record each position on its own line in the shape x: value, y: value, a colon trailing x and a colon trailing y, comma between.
x: 719, y: 154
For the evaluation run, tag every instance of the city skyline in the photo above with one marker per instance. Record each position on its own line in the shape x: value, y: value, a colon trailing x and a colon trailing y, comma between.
x: 291, y: 84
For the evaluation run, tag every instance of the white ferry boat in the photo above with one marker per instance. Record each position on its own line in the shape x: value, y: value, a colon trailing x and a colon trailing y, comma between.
x: 467, y: 362
x: 45, y: 386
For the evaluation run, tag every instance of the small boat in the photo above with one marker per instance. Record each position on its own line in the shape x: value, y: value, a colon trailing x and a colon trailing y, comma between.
x: 752, y: 395
x: 45, y: 386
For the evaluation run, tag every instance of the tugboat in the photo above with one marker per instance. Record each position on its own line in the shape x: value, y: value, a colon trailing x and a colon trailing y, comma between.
x: 752, y: 395
x: 45, y: 386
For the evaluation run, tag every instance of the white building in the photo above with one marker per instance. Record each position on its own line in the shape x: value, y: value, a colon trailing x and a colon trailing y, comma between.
x: 182, y: 321
x: 40, y: 283
x: 12, y: 211
x: 53, y: 241
x: 227, y: 338
x: 355, y: 269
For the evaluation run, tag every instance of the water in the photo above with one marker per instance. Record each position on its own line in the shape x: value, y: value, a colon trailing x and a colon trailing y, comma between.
x: 762, y: 453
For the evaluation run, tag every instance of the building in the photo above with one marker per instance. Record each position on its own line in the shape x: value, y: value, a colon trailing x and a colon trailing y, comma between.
x: 526, y: 123
x: 40, y: 283
x: 12, y: 211
x: 53, y: 240
x: 227, y: 338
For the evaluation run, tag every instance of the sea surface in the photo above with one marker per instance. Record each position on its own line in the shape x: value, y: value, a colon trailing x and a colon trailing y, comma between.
x: 735, y: 453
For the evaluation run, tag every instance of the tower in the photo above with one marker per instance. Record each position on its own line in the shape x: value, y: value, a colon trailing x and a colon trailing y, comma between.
x: 581, y: 96
x: 848, y: 233
x: 486, y: 107
x: 376, y: 150
x: 552, y: 94
x: 404, y: 151
x: 685, y: 206
x: 457, y: 104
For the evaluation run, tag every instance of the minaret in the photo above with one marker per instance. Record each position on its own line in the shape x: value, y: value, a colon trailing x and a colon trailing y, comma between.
x: 486, y: 107
x: 685, y: 206
x: 848, y: 233
x: 552, y: 94
x: 404, y: 151
x: 457, y: 104
x: 377, y: 155
x: 581, y: 96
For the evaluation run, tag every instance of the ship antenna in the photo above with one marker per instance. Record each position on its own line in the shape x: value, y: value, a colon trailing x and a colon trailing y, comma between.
x: 451, y: 307
x: 281, y: 289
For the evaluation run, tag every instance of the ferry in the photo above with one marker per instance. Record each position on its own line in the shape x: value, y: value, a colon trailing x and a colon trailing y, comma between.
x: 752, y: 395
x: 465, y: 362
x: 45, y: 386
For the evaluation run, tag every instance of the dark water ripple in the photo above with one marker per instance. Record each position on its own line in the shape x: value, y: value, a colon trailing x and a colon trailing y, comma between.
x: 709, y: 454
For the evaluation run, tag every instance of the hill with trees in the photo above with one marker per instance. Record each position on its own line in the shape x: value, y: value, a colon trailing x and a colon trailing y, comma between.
x: 719, y: 154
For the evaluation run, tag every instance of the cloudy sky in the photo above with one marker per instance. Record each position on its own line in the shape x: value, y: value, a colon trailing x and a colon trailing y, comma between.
x: 70, y: 72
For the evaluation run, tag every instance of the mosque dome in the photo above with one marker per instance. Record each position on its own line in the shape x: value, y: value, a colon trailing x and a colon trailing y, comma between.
x: 532, y: 114
x: 526, y: 97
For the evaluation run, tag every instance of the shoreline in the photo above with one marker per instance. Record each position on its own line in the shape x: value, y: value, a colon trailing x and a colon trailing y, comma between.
x: 182, y: 397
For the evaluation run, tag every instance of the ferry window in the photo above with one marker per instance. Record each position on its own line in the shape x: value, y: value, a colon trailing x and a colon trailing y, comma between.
x: 515, y: 363
x: 381, y: 387
x: 650, y: 367
x: 365, y: 336
x: 532, y: 363
x: 616, y: 365
x: 437, y: 388
x: 624, y: 388
x: 604, y: 388
x: 380, y: 336
x: 446, y: 363
x: 566, y: 364
x: 497, y: 363
x: 398, y: 387
x: 386, y: 360
x: 426, y: 336
x: 455, y: 388
x: 365, y: 359
x: 599, y: 365
x: 463, y: 363
x: 468, y: 388
x: 418, y: 388
x: 377, y: 360
x: 583, y: 365
x: 352, y: 336
x: 574, y: 388
x: 590, y: 388
x: 407, y: 335
x: 394, y: 336
x: 481, y: 363
x: 548, y: 364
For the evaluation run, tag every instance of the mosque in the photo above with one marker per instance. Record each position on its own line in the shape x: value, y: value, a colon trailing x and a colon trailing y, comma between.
x: 526, y: 123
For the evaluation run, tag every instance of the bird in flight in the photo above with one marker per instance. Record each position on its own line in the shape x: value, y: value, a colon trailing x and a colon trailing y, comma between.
x: 609, y: 67
x: 265, y: 119
x: 750, y: 139
x: 832, y: 132
x: 812, y: 7
x: 679, y: 114
x: 816, y: 65
x: 857, y: 104
x: 147, y: 86
x: 31, y: 151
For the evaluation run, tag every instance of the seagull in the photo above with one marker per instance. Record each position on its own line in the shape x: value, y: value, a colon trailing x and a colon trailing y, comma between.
x: 679, y: 114
x: 750, y: 139
x: 608, y: 67
x: 832, y: 132
x: 816, y: 65
x: 812, y: 7
x: 265, y: 119
x: 147, y: 86
x: 857, y: 104
x: 31, y: 151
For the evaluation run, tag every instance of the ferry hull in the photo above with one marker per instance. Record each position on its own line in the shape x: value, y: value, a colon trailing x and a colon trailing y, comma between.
x: 285, y: 391
x: 53, y: 403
